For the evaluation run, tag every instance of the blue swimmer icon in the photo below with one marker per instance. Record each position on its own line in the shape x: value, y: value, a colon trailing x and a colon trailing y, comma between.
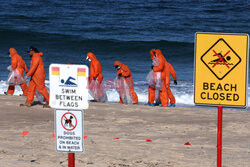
x: 68, y: 81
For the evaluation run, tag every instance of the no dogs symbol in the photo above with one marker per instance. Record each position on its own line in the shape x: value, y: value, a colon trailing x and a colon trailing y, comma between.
x: 69, y: 121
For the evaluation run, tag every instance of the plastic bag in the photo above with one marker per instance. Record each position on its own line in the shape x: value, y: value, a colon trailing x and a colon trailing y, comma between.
x: 154, y: 80
x: 40, y: 97
x: 97, y: 92
x: 157, y: 97
x: 15, y: 78
x: 9, y: 68
x: 156, y: 61
x: 123, y: 90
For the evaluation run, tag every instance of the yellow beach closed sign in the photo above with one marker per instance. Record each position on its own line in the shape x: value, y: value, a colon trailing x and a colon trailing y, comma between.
x: 221, y: 69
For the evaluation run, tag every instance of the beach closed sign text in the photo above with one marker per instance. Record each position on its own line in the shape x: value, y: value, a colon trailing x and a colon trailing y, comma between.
x: 221, y: 69
x: 68, y: 86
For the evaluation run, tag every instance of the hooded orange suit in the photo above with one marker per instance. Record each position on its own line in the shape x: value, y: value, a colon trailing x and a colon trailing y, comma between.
x: 95, y: 71
x: 160, y: 68
x: 126, y: 73
x: 95, y: 68
x: 37, y: 81
x: 18, y: 63
x: 170, y: 70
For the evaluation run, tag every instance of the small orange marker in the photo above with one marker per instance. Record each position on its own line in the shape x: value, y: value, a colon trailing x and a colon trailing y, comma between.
x: 85, y: 137
x: 116, y: 138
x: 187, y: 144
x: 54, y: 136
x: 148, y: 140
x: 25, y: 133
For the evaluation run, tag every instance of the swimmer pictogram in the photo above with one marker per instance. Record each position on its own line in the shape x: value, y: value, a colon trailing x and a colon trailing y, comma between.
x: 220, y: 59
x: 69, y: 82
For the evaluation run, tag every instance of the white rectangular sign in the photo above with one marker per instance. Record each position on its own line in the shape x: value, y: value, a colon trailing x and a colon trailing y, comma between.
x: 68, y: 86
x: 69, y: 130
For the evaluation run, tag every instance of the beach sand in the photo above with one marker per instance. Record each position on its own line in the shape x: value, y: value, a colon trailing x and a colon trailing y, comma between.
x: 168, y: 128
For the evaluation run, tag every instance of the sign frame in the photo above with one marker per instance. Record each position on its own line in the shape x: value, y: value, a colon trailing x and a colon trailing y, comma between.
x: 56, y: 129
x: 247, y: 70
x: 69, y: 86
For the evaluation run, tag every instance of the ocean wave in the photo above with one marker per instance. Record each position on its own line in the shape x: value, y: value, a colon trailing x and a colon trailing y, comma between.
x: 183, y: 93
x: 141, y: 90
x: 29, y: 34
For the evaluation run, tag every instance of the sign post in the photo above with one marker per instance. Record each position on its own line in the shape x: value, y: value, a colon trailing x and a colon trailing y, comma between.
x: 71, y: 160
x: 219, y: 136
x: 69, y: 95
x: 221, y: 74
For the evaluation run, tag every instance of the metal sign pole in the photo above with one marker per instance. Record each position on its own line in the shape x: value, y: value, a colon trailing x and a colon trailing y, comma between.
x: 71, y: 159
x: 219, y: 137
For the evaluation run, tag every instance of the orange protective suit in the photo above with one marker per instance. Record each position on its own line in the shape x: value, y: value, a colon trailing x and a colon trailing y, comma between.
x: 37, y: 81
x: 95, y: 68
x: 96, y: 74
x: 126, y: 73
x: 18, y: 63
x: 160, y: 68
x: 170, y: 70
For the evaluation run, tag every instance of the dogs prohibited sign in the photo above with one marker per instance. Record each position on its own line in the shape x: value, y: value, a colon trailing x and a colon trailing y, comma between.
x: 221, y: 69
x: 69, y: 130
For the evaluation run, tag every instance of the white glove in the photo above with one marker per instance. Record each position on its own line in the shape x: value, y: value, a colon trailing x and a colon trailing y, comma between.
x: 9, y: 68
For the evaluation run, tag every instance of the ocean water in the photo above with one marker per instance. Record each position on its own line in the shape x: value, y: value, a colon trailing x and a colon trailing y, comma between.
x: 65, y: 31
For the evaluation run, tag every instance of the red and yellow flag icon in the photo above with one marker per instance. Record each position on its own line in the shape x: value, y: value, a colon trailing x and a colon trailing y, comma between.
x: 55, y: 70
x: 81, y: 72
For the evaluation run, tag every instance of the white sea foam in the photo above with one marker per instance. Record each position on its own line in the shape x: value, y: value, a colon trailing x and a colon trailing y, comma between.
x: 113, y: 96
x: 183, y: 92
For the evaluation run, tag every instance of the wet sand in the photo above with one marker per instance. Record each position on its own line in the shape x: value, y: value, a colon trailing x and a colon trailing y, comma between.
x: 168, y: 128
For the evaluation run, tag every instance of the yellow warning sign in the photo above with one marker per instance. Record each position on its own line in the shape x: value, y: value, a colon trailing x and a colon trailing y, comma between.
x: 221, y: 69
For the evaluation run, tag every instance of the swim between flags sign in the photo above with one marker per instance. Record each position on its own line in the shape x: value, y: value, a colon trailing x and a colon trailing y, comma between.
x: 221, y: 69
x: 68, y: 86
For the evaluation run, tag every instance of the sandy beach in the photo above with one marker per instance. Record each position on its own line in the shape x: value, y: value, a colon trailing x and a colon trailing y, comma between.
x: 168, y: 128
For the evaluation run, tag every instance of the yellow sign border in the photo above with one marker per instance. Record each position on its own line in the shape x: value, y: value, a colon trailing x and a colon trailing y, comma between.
x: 247, y: 66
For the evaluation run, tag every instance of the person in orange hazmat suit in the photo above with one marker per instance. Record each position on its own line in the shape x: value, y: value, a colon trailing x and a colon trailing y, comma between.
x: 95, y: 71
x: 37, y: 74
x: 95, y: 68
x: 17, y: 63
x: 170, y: 70
x: 156, y: 53
x: 123, y: 71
